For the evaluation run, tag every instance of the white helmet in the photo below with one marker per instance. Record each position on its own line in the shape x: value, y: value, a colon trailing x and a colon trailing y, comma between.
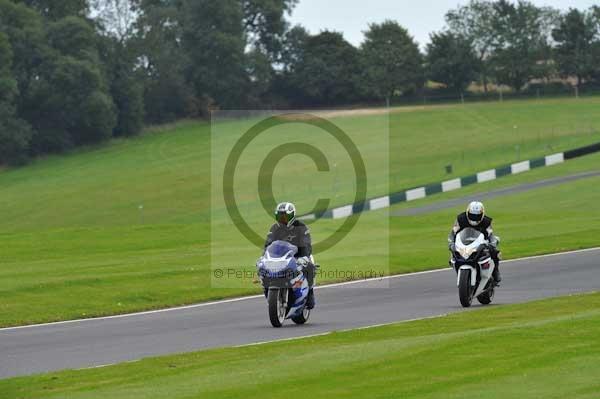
x: 285, y: 213
x: 475, y: 213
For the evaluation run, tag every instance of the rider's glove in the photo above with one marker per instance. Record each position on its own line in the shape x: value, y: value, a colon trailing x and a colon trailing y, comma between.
x: 303, y: 261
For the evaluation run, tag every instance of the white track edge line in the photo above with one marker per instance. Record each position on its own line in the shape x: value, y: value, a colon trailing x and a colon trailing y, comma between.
x: 245, y: 298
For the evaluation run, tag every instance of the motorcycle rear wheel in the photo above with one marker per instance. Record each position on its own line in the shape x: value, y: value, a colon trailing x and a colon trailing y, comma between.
x: 302, y: 317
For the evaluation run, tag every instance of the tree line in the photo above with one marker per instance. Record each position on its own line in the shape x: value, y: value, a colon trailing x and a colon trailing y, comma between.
x: 77, y: 72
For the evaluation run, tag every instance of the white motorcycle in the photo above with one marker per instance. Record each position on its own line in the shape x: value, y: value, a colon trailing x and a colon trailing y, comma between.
x: 474, y: 266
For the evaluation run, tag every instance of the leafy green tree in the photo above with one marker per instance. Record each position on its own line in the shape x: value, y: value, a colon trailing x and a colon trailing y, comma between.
x: 15, y: 134
x: 214, y: 39
x: 127, y: 91
x: 327, y: 73
x: 265, y: 24
x: 74, y: 37
x: 392, y: 61
x: 451, y: 60
x: 595, y: 11
x: 575, y: 36
x: 116, y: 22
x: 163, y: 62
x: 73, y: 106
x: 474, y: 22
x: 522, y: 51
x: 294, y: 43
x: 8, y: 85
x: 283, y: 90
x: 260, y: 74
x: 57, y: 9
x: 265, y: 30
x: 25, y: 31
x: 23, y: 49
x: 70, y: 102
x: 117, y: 18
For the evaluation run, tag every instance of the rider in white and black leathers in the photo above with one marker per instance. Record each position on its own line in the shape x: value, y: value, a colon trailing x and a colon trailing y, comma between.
x: 475, y: 218
x: 288, y: 228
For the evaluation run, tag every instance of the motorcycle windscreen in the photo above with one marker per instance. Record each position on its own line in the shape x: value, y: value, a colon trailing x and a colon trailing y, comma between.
x: 279, y: 249
x: 468, y: 236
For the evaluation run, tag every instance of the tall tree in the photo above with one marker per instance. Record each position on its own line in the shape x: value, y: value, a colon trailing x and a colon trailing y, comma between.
x: 392, y: 60
x: 283, y: 88
x: 24, y: 29
x: 294, y: 43
x: 116, y: 22
x: 57, y: 9
x: 117, y: 18
x: 595, y: 11
x: 451, y: 60
x: 575, y: 36
x: 260, y: 78
x: 328, y: 70
x: 70, y: 103
x: 265, y: 30
x: 158, y: 43
x: 126, y: 84
x: 474, y: 22
x: 15, y: 134
x: 522, y: 51
x: 265, y: 24
x: 214, y: 39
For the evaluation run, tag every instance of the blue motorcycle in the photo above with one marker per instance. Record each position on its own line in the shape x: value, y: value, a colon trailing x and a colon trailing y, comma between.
x: 286, y: 282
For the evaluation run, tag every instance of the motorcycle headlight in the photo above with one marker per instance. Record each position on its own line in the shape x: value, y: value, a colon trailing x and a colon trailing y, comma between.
x: 466, y: 252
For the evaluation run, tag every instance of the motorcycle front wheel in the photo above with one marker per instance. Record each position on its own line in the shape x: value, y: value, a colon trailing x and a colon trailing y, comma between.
x: 277, y: 306
x: 465, y: 291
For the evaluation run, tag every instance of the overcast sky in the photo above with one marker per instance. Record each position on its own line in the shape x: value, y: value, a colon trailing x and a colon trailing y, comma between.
x: 420, y: 17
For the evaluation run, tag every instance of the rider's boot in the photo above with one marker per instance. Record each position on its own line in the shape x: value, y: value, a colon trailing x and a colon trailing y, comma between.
x: 496, y: 274
x: 310, y: 300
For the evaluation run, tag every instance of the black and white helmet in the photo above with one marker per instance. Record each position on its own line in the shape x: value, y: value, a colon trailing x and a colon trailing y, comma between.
x: 285, y: 213
x: 475, y: 213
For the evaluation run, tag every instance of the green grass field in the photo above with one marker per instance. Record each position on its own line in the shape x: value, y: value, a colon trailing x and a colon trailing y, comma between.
x: 545, y: 349
x: 127, y: 227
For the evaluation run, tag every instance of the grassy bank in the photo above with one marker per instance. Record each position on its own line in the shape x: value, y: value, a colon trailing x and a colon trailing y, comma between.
x: 127, y: 226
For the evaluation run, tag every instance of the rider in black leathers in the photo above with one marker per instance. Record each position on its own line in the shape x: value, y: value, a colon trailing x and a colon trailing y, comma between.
x: 475, y: 218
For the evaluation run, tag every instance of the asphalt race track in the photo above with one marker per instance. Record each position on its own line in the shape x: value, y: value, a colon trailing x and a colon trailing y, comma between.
x: 95, y: 342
